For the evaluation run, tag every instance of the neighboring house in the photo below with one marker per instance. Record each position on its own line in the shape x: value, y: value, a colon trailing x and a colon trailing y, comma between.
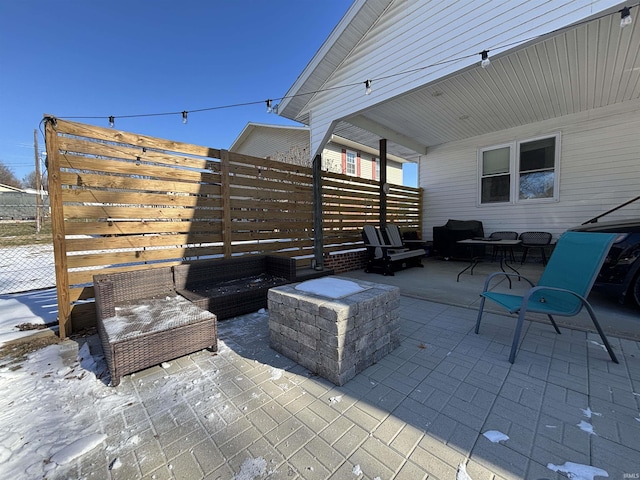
x: 544, y: 138
x: 19, y: 204
x: 9, y: 188
x: 291, y: 144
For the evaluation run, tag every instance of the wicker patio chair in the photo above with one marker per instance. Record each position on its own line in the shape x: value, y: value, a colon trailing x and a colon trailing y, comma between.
x: 539, y: 240
x: 501, y: 248
x: 142, y: 322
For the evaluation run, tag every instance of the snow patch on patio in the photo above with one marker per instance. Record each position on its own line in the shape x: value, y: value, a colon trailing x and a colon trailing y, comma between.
x: 586, y: 427
x: 78, y: 448
x: 495, y: 436
x: 587, y: 412
x: 577, y: 471
x: 251, y: 469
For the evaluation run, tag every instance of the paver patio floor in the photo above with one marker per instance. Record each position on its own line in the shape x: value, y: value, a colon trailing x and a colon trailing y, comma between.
x: 249, y: 413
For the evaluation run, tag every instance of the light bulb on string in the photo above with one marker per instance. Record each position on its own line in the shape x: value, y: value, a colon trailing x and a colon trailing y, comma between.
x: 367, y: 87
x: 112, y: 121
x: 269, y: 109
x: 485, y: 59
x: 625, y: 17
x: 184, y: 117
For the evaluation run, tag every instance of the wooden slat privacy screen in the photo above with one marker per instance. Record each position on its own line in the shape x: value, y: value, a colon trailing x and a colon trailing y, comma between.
x: 122, y: 201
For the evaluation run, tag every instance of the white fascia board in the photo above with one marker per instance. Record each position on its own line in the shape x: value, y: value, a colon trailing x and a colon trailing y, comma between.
x: 246, y: 131
x: 345, y: 23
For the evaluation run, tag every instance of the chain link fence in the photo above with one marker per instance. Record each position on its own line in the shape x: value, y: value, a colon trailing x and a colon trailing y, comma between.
x: 26, y: 249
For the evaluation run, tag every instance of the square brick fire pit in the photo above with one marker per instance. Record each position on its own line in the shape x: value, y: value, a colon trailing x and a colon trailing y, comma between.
x: 334, y: 326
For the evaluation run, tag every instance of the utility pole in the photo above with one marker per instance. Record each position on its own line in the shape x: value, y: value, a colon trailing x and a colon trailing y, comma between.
x: 38, y: 183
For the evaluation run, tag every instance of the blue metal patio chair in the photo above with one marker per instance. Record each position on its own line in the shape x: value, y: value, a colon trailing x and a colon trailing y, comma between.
x: 563, y: 287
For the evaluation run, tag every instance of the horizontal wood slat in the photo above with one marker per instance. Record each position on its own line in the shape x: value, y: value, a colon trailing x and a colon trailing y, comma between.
x: 112, y: 228
x: 139, y: 241
x: 135, y: 198
x: 126, y: 138
x: 89, y: 181
x: 85, y: 147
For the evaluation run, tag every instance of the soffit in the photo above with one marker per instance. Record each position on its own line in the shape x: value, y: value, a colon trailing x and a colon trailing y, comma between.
x: 589, y: 66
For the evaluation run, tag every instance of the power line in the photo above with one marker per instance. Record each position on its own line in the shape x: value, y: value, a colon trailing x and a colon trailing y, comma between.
x: 268, y: 102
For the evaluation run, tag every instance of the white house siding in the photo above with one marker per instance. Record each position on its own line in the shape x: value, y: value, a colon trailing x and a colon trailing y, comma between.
x: 269, y: 142
x: 599, y: 169
x: 332, y: 161
x: 425, y: 33
x: 332, y: 158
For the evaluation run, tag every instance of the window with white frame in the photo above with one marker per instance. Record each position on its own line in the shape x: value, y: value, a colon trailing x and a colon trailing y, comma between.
x: 377, y: 171
x: 351, y: 163
x: 519, y: 171
x: 495, y: 175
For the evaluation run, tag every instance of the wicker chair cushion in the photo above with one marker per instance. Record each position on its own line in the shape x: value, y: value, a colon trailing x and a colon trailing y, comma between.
x: 152, y: 315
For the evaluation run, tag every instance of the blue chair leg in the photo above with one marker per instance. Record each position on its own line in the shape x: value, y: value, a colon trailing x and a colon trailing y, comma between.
x: 516, y: 337
x: 555, y: 325
x: 600, y: 332
x: 482, y: 299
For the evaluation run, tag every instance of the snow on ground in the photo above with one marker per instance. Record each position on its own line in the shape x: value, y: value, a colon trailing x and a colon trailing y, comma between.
x: 38, y: 307
x: 45, y: 418
x: 27, y: 267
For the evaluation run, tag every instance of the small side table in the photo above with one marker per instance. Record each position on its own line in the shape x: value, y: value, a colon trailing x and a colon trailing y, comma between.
x: 505, y: 246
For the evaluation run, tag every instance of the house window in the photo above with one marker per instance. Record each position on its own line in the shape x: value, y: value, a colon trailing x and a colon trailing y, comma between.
x: 376, y: 171
x: 351, y: 163
x: 520, y: 171
x: 537, y: 169
x: 496, y: 175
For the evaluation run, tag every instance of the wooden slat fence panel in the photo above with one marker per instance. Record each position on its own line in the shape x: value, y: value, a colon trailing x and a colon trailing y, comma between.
x: 122, y: 201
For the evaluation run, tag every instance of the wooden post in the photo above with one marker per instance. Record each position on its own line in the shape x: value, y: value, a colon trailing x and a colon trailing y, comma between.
x: 57, y: 227
x: 318, y: 232
x: 226, y: 203
x: 420, y: 210
x: 38, y: 183
x: 383, y: 182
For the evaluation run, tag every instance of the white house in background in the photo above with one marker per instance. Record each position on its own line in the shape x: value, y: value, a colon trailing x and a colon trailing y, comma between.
x: 545, y: 137
x: 292, y: 144
x: 9, y: 188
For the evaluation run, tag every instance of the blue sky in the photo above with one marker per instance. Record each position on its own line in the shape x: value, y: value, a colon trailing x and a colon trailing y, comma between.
x: 91, y: 58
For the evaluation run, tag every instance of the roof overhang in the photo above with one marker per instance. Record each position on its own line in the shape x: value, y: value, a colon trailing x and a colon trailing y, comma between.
x: 592, y: 64
x: 360, y: 17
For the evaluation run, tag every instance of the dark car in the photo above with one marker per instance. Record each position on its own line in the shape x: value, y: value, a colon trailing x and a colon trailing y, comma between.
x: 620, y: 273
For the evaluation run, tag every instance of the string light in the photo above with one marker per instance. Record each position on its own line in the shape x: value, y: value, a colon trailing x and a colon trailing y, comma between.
x: 625, y: 17
x: 485, y: 59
